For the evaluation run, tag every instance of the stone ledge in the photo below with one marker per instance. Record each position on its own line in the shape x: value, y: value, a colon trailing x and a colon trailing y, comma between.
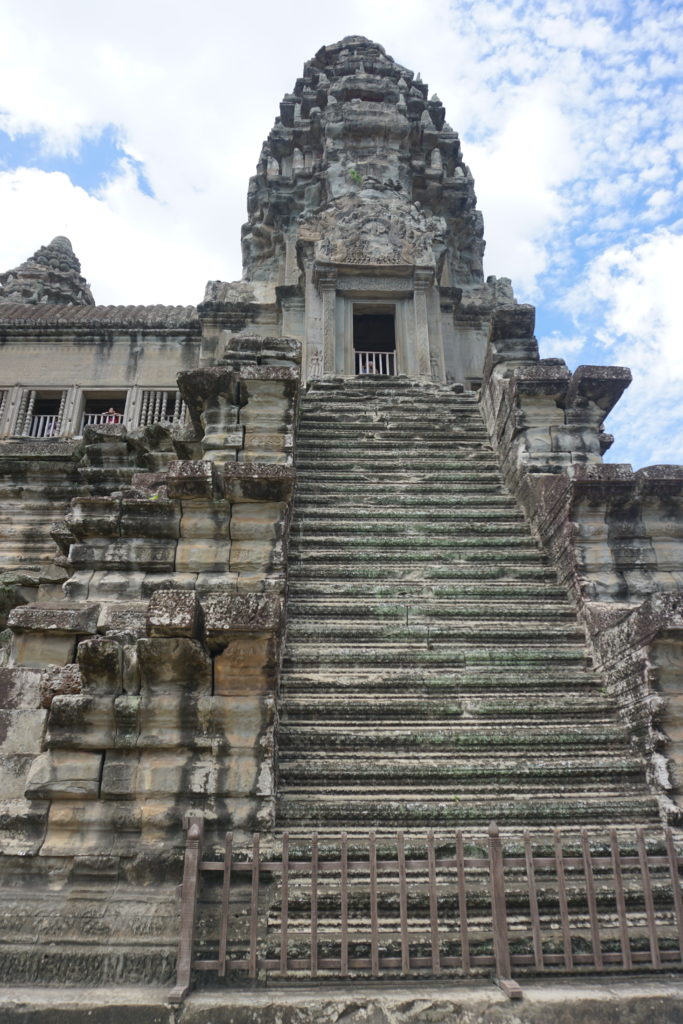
x: 607, y: 1000
x: 49, y: 619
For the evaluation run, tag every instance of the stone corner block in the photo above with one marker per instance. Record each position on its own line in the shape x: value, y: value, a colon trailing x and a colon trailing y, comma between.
x: 174, y: 613
x: 191, y: 478
x: 259, y: 481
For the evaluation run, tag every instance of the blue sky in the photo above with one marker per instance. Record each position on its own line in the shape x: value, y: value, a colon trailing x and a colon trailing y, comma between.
x: 134, y: 129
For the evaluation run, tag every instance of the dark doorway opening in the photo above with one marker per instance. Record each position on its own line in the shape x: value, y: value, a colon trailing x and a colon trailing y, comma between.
x: 374, y: 343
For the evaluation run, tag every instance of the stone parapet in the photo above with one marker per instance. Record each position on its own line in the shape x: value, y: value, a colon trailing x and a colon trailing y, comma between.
x: 615, y: 536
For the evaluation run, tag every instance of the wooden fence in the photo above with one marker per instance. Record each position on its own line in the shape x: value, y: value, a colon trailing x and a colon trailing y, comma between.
x: 415, y: 907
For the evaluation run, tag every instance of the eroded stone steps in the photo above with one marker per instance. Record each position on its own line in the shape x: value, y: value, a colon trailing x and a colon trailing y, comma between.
x: 433, y: 671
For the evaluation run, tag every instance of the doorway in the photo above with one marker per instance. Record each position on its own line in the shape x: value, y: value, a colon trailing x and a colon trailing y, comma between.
x: 374, y: 341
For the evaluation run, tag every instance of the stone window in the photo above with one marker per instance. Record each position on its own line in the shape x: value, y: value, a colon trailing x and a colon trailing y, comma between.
x: 162, y: 407
x: 103, y: 408
x: 41, y: 413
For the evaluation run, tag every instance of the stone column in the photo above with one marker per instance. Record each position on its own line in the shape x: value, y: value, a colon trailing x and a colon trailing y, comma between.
x: 422, y: 281
x: 327, y: 283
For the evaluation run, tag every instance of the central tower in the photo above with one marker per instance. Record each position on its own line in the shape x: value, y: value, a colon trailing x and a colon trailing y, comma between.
x: 363, y: 231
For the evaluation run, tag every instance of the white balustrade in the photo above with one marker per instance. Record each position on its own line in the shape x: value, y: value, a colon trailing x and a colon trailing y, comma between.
x: 44, y: 426
x: 382, y: 364
x: 96, y: 419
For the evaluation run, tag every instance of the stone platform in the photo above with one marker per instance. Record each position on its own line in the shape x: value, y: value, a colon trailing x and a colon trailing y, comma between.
x: 634, y: 1000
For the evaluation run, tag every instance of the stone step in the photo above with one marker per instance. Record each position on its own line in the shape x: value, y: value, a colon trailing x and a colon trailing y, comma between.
x: 460, y: 736
x: 458, y: 682
x: 327, y: 706
x: 422, y: 655
x: 320, y: 517
x: 405, y: 574
x: 330, y: 631
x: 540, y: 809
x: 494, y: 591
x: 495, y: 551
x: 421, y: 610
x: 312, y: 530
x: 524, y: 770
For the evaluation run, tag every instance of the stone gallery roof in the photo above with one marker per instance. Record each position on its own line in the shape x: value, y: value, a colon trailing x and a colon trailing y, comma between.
x: 51, y: 276
x: 44, y: 315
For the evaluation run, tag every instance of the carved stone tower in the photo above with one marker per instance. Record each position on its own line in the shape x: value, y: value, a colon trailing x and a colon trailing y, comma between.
x: 363, y: 224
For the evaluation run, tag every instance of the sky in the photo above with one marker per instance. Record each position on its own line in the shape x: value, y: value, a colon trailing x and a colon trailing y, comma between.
x: 133, y: 128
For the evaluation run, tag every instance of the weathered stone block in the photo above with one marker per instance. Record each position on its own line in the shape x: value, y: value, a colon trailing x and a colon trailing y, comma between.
x: 154, y: 581
x: 148, y: 517
x: 56, y: 680
x: 257, y: 481
x: 21, y: 688
x: 174, y: 613
x: 116, y: 586
x: 247, y: 665
x: 81, y: 722
x: 244, y: 720
x: 205, y: 519
x: 254, y: 557
x: 64, y: 774
x: 36, y: 650
x: 125, y: 554
x: 119, y: 774
x: 101, y: 663
x: 202, y: 555
x: 190, y: 479
x: 77, y: 587
x: 128, y: 619
x: 94, y: 517
x: 171, y: 664
x: 171, y: 720
x: 258, y: 520
x: 225, y: 615
x: 127, y: 720
x: 40, y: 619
x: 21, y: 731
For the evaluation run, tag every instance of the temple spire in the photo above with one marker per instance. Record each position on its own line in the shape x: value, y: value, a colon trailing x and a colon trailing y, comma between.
x: 52, y: 275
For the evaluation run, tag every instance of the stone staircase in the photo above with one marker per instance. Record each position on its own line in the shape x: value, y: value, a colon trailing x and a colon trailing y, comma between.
x: 434, y: 675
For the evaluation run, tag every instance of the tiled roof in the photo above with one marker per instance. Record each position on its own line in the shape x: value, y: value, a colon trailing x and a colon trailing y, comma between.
x: 53, y: 315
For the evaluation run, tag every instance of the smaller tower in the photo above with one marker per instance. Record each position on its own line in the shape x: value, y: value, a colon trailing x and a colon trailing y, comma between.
x: 52, y: 275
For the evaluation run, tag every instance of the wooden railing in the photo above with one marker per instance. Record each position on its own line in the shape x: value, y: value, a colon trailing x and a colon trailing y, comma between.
x: 414, y: 907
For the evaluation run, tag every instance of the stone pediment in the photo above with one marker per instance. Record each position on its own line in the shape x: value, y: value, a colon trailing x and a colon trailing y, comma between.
x: 373, y: 229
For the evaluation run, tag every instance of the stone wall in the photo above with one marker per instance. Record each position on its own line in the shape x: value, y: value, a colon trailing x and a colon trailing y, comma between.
x: 154, y: 670
x: 615, y: 536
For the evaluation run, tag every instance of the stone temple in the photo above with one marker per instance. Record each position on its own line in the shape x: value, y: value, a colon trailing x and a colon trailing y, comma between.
x: 333, y: 551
